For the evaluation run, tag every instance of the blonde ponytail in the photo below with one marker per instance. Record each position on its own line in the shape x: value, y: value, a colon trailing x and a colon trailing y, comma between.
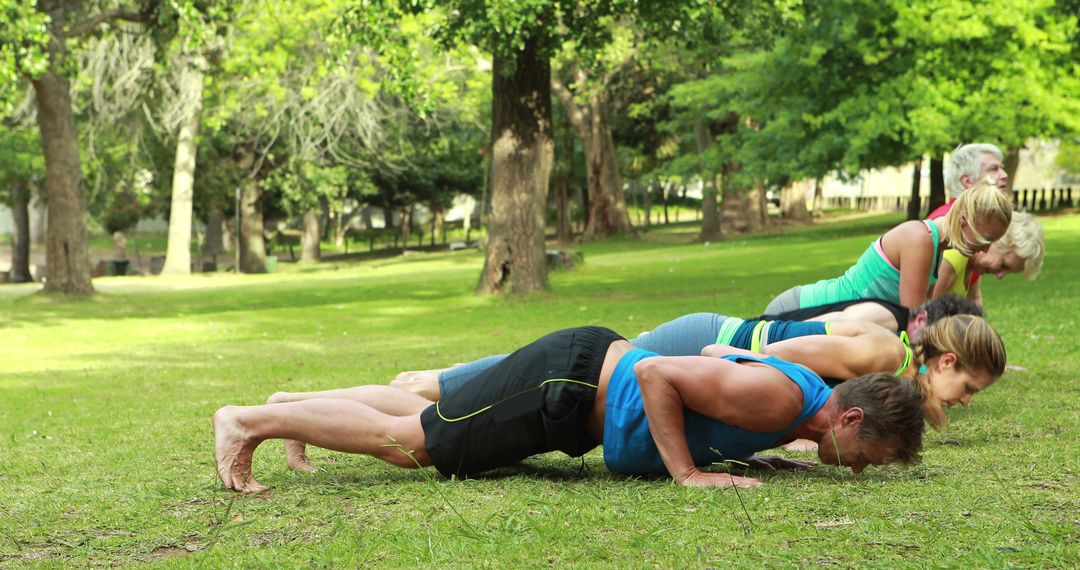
x: 981, y: 203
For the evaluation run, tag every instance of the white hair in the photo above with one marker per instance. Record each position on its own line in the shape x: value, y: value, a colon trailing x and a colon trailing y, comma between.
x: 967, y: 159
x: 1025, y: 239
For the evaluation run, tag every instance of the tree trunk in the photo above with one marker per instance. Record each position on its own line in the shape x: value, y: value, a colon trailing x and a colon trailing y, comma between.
x: 309, y: 240
x: 665, y: 191
x: 214, y: 242
x: 68, y: 255
x: 710, y: 214
x: 914, y: 205
x: 252, y: 242
x: 522, y: 154
x: 819, y: 198
x: 178, y: 255
x: 607, y: 213
x: 937, y: 183
x: 119, y: 240
x: 564, y: 168
x: 647, y: 202
x: 406, y: 226
x: 793, y: 203
x: 38, y: 216
x: 751, y: 207
x: 1011, y: 164
x: 732, y: 204
x: 20, y: 251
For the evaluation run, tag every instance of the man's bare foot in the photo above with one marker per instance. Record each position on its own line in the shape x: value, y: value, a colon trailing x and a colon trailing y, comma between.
x: 800, y: 445
x: 233, y: 450
x: 296, y: 456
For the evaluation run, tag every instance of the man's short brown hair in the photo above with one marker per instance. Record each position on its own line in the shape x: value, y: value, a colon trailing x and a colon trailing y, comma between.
x: 892, y: 411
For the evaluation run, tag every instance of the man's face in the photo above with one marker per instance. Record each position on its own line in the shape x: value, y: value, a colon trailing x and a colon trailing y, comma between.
x: 990, y: 166
x: 843, y: 446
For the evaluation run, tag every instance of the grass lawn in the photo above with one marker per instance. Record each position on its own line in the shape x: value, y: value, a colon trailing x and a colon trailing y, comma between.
x: 107, y: 444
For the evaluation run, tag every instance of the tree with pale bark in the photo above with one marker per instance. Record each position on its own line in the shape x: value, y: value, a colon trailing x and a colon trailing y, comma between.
x: 68, y: 256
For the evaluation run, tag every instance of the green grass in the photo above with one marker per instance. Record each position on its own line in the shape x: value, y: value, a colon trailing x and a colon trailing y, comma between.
x: 107, y: 445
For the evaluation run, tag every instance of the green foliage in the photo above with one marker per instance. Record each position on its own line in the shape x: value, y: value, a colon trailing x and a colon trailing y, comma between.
x: 1068, y: 158
x: 24, y: 34
x: 855, y: 84
x: 20, y: 158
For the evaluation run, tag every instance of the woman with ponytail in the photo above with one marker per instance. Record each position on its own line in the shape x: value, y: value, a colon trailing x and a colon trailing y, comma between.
x: 954, y: 358
x: 902, y: 265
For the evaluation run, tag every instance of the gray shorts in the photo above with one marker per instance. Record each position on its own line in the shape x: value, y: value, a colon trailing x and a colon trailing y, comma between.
x: 784, y: 302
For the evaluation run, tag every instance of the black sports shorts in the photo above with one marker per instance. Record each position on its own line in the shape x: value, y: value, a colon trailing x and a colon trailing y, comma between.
x: 536, y: 400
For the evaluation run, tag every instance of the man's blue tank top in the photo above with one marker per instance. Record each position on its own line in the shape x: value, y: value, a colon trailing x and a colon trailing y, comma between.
x: 629, y: 447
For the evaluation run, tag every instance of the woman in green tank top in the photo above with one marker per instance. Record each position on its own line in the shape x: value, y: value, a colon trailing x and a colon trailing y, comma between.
x: 901, y: 265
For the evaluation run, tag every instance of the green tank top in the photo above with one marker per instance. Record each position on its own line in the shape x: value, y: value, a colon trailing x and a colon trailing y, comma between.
x: 872, y: 276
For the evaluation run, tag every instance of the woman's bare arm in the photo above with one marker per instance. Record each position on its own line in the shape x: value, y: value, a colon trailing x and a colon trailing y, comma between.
x: 842, y: 357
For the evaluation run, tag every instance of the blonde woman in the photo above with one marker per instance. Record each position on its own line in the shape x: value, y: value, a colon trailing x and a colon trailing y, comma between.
x: 1021, y: 249
x: 955, y: 358
x: 902, y: 265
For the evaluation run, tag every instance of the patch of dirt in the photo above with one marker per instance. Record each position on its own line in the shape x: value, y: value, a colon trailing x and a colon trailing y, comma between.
x: 163, y: 552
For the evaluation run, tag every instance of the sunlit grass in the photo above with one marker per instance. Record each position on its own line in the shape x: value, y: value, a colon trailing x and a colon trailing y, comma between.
x: 104, y: 422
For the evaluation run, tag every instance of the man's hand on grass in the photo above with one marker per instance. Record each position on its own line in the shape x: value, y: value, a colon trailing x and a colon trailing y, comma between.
x: 722, y: 480
x: 774, y: 462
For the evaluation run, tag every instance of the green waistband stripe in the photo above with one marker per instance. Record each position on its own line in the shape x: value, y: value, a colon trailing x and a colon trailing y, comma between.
x: 755, y: 337
x: 828, y: 327
x: 727, y: 330
x: 907, y: 352
x: 438, y: 410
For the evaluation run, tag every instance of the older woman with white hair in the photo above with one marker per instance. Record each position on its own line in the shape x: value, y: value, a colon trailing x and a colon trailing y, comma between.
x: 1021, y: 249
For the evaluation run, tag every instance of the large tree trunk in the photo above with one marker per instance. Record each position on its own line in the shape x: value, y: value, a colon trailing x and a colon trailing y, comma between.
x: 710, y: 213
x: 214, y: 242
x: 309, y: 240
x: 914, y: 205
x: 752, y: 207
x: 1011, y: 164
x: 522, y: 153
x: 793, y: 203
x: 252, y: 242
x: 178, y: 255
x: 607, y: 212
x: 20, y: 251
x: 68, y: 256
x: 937, y: 183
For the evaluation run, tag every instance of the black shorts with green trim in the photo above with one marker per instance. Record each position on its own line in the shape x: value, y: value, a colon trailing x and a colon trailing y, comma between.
x: 536, y: 400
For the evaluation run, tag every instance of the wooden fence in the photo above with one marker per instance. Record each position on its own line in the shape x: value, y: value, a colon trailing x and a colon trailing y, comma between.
x: 1028, y: 199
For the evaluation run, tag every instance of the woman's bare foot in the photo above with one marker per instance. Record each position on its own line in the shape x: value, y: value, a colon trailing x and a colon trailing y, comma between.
x: 405, y: 379
x: 232, y: 450
x: 800, y: 445
x: 424, y: 383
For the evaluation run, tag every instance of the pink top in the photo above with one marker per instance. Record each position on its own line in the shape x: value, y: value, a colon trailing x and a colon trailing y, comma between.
x: 941, y: 210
